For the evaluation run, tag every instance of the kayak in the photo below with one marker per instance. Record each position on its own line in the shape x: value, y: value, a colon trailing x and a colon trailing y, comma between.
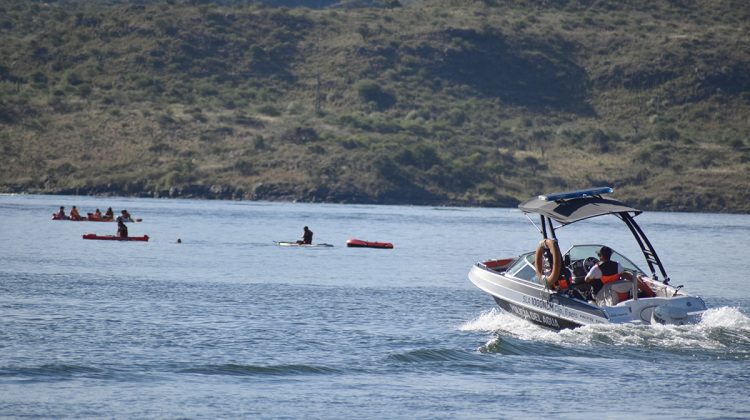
x: 358, y: 243
x: 143, y: 238
x: 80, y: 219
x: 281, y: 243
x: 92, y: 219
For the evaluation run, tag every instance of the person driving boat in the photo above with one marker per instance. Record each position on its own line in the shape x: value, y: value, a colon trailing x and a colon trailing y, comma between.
x: 605, y: 271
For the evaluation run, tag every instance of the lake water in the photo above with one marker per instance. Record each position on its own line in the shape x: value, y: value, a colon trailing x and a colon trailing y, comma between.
x: 227, y: 324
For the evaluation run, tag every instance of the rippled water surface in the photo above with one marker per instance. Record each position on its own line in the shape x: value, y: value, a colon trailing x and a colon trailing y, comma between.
x: 227, y: 324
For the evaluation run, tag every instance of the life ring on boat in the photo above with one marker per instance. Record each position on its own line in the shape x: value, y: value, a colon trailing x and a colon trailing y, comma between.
x: 551, y: 245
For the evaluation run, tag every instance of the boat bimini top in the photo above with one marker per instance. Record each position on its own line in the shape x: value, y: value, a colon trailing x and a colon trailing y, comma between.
x: 578, y: 205
x: 573, y: 206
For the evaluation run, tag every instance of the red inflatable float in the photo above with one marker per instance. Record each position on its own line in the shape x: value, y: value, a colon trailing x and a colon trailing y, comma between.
x: 358, y: 243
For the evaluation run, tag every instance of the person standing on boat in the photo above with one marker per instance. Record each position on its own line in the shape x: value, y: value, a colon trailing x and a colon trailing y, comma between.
x: 605, y: 271
x: 122, y: 230
x: 307, y: 237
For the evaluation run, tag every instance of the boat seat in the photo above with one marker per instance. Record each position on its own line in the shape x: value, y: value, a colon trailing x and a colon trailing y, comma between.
x: 613, y: 293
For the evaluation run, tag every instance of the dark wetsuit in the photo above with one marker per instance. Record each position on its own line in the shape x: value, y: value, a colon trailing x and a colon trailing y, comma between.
x: 122, y: 230
x: 307, y: 237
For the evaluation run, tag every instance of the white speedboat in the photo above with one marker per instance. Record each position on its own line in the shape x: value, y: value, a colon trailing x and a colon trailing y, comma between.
x: 547, y: 287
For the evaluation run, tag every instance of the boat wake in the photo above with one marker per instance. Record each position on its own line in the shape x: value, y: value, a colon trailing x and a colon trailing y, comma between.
x: 723, y: 333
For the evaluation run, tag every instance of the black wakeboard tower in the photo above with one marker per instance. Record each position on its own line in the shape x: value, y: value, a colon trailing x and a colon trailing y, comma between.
x: 573, y: 206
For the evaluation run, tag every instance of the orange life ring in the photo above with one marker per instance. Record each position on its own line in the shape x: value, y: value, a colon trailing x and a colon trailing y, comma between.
x: 551, y: 245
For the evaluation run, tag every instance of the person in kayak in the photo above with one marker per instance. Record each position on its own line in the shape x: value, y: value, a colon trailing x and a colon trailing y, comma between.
x: 98, y: 214
x: 122, y: 230
x: 109, y: 215
x: 307, y: 236
x: 60, y: 215
x: 74, y: 215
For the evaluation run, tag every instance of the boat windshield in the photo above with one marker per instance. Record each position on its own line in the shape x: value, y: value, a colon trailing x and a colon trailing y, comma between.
x: 581, y: 252
x: 523, y: 268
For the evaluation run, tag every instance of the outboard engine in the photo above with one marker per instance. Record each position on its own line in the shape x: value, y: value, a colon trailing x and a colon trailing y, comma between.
x: 669, y: 315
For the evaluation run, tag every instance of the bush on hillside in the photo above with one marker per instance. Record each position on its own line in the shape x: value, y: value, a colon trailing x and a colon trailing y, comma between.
x: 371, y: 91
x: 421, y: 156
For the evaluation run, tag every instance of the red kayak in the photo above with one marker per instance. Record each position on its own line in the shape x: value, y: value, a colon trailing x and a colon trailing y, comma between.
x: 143, y: 238
x: 93, y: 219
x: 358, y: 243
x: 72, y: 219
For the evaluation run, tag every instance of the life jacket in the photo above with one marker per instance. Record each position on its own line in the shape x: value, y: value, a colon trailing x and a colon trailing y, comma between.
x: 563, y: 281
x: 609, y: 271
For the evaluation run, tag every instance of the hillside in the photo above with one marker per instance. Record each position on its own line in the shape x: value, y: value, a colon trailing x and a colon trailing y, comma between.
x: 482, y: 103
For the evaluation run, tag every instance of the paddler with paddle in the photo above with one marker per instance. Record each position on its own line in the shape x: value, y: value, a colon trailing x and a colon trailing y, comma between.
x: 126, y: 216
x: 122, y: 230
x: 60, y: 215
x: 74, y: 215
x: 307, y: 236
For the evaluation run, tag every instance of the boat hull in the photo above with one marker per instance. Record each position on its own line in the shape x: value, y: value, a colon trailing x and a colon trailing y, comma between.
x: 533, y: 302
x: 558, y: 311
x: 537, y: 317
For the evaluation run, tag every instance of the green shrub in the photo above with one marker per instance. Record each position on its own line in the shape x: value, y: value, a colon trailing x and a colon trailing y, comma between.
x: 269, y: 110
x: 245, y: 168
x: 456, y: 117
x: 73, y: 78
x: 259, y: 143
x: 166, y: 120
x: 248, y: 121
x: 7, y: 113
x: 667, y: 133
x: 300, y: 135
x: 356, y: 121
x: 351, y: 144
x: 371, y: 91
x: 736, y: 144
x: 317, y: 149
x: 39, y: 79
x: 421, y: 156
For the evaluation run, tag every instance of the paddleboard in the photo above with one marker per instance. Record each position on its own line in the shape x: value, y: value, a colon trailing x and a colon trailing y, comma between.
x: 282, y: 243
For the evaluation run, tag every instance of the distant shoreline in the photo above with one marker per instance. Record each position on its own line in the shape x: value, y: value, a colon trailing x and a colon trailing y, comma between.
x: 667, y: 207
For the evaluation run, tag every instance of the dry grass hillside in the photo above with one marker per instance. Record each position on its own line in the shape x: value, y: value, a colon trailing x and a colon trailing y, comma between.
x: 469, y: 103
